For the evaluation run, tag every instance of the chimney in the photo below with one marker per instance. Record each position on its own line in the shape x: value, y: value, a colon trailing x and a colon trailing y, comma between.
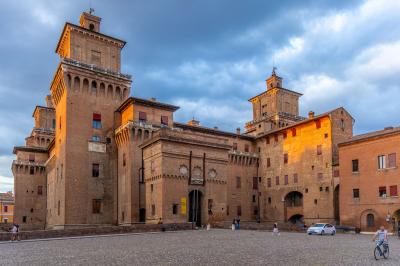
x: 49, y: 102
x: 238, y: 130
x: 311, y: 114
x: 153, y: 99
x: 193, y: 122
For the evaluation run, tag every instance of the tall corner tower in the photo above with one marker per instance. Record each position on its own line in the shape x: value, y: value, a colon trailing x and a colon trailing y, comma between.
x: 87, y: 88
x: 274, y: 108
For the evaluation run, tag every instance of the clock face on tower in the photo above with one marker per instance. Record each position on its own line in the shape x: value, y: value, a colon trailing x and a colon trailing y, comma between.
x: 183, y: 170
x: 212, y: 173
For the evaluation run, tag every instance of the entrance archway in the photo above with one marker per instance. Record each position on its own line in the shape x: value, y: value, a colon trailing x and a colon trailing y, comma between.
x: 396, y: 221
x: 336, y: 204
x: 293, y: 205
x: 296, y: 219
x: 195, y: 199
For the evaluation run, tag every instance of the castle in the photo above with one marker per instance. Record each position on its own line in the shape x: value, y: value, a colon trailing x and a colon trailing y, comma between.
x: 97, y: 156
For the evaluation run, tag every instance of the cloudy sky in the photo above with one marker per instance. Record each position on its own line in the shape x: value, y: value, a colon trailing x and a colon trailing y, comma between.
x: 210, y: 56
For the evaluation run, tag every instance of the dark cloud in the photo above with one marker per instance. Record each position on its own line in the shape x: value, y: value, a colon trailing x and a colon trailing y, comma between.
x: 211, y: 56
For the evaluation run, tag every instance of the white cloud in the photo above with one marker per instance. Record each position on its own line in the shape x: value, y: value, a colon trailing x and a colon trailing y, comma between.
x: 6, y: 179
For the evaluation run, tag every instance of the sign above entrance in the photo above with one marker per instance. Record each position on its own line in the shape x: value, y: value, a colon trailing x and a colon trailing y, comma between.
x: 197, y: 176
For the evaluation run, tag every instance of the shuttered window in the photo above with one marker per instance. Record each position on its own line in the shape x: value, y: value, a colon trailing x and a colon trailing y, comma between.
x: 142, y: 116
x: 285, y: 158
x: 277, y: 180
x: 382, y: 192
x: 286, y: 179
x: 318, y: 124
x: 269, y: 182
x: 392, y: 160
x: 393, y: 191
x: 96, y: 121
x: 164, y: 120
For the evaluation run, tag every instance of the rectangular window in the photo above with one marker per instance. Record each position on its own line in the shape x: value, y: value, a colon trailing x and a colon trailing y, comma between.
x: 53, y: 124
x: 354, y: 164
x: 96, y: 138
x: 318, y: 124
x: 269, y: 182
x: 5, y: 208
x: 342, y: 124
x: 151, y: 187
x: 393, y: 191
x: 239, y: 210
x: 24, y: 219
x: 381, y: 161
x: 96, y: 205
x: 95, y: 170
x: 294, y: 132
x: 277, y: 180
x: 319, y: 149
x: 31, y: 170
x: 286, y: 179
x: 382, y: 192
x: 32, y: 158
x: 295, y: 178
x: 174, y: 209
x: 320, y: 176
x: 267, y: 140
x: 95, y: 57
x: 255, y: 182
x: 254, y: 198
x: 238, y: 182
x: 246, y: 148
x: 210, y: 204
x: 164, y: 120
x: 392, y: 160
x: 142, y: 117
x: 285, y: 158
x: 40, y: 190
x: 356, y: 193
x: 268, y: 162
x: 336, y: 173
x: 234, y: 146
x: 96, y: 122
x: 153, y: 210
x: 269, y: 200
x: 123, y: 159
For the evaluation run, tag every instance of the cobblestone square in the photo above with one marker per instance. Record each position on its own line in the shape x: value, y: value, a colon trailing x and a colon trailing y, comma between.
x: 214, y: 247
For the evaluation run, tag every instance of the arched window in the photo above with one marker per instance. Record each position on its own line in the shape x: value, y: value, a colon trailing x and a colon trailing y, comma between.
x: 77, y: 84
x: 370, y: 220
x: 110, y: 91
x: 94, y: 87
x: 85, y: 86
x: 102, y: 89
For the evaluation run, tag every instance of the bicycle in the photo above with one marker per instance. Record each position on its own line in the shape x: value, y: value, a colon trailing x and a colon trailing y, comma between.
x: 378, y: 254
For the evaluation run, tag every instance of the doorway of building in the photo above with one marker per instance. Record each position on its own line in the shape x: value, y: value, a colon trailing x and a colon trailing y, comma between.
x: 142, y: 215
x: 195, y: 199
x: 396, y: 222
x: 336, y: 204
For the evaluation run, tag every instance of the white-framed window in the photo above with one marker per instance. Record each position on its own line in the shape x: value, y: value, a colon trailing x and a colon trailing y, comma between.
x: 381, y: 162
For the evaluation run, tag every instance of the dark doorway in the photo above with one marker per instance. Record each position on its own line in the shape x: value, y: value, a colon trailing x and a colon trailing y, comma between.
x: 195, y: 198
x: 336, y: 204
x: 296, y: 219
x: 142, y: 215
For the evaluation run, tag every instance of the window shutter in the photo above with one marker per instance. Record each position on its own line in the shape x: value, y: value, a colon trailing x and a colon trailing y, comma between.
x: 393, y: 191
x: 318, y: 124
x: 277, y: 180
x: 164, y: 120
x: 97, y: 117
x: 392, y: 160
x: 142, y: 116
x: 269, y: 183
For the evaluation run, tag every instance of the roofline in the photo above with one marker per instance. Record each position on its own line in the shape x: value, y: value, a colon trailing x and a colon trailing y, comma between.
x: 302, y: 122
x: 29, y: 149
x: 383, y: 134
x: 41, y: 107
x: 212, y: 131
x: 160, y: 105
x: 82, y: 28
x: 295, y: 92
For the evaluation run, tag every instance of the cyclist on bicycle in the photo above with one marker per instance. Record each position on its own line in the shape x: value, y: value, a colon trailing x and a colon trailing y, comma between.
x: 381, y: 238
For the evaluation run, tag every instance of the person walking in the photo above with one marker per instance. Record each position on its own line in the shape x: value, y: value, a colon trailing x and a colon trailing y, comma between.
x: 14, y: 232
x: 275, y: 230
x: 237, y: 223
x: 233, y: 224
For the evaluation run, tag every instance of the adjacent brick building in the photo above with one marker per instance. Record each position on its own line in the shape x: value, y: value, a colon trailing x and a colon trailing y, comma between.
x: 6, y: 207
x: 97, y: 156
x: 369, y: 180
